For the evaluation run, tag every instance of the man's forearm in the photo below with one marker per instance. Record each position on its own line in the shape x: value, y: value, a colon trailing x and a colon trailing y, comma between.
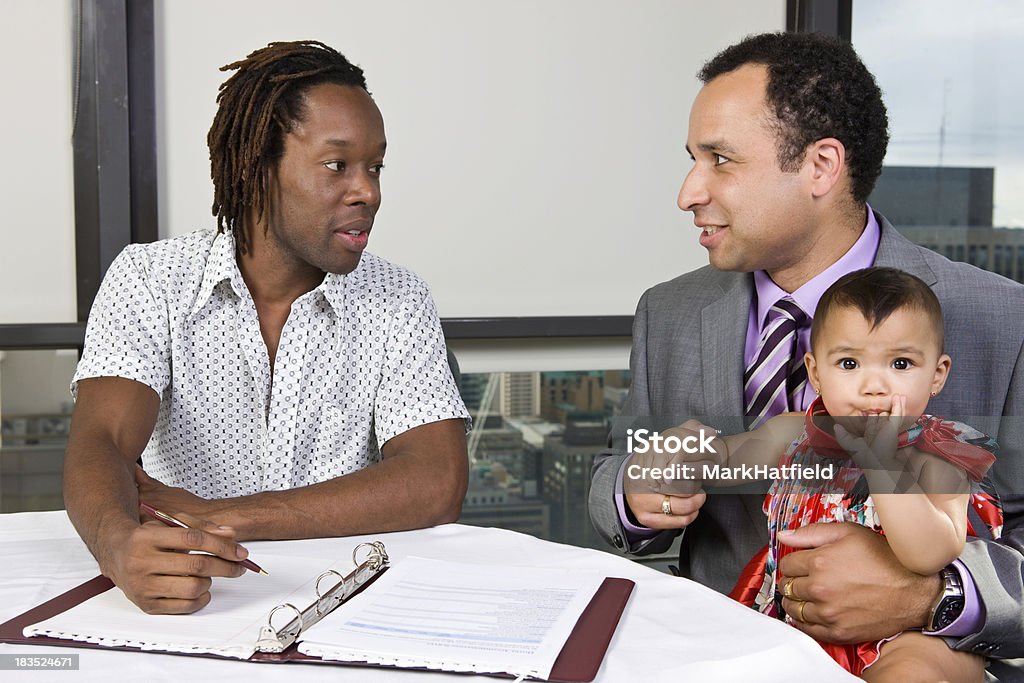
x: 99, y: 493
x: 380, y: 498
x: 410, y: 489
x: 111, y: 424
x: 998, y: 576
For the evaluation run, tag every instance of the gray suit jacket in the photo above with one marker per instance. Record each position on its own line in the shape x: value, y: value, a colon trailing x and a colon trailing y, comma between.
x: 687, y: 361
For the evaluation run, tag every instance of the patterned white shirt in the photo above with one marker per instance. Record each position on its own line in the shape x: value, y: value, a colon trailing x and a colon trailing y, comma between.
x: 361, y: 359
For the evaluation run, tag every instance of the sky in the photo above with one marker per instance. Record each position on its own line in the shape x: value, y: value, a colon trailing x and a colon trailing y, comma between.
x: 954, y: 65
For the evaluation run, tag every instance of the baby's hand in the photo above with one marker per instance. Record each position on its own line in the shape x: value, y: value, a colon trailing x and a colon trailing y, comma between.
x: 876, y: 448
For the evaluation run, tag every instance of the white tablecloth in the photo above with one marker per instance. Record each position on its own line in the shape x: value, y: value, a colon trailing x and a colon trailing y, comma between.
x: 673, y: 630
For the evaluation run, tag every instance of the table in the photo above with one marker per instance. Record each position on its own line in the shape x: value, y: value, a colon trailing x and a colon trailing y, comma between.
x: 672, y: 630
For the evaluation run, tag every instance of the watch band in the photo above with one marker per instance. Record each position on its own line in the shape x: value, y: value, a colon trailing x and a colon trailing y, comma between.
x: 950, y: 603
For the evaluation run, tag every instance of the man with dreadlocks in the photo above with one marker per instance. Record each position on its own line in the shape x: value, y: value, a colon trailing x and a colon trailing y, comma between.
x: 276, y: 381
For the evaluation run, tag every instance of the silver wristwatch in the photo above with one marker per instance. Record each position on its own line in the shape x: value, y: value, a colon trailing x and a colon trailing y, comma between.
x: 950, y: 603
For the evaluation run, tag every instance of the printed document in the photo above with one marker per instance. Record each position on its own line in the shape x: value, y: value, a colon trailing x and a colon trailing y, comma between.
x: 458, y: 617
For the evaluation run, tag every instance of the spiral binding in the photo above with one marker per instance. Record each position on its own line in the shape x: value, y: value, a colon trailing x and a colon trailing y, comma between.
x: 277, y: 640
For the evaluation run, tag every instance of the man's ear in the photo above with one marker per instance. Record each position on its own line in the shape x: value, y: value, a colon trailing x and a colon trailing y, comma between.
x: 827, y: 160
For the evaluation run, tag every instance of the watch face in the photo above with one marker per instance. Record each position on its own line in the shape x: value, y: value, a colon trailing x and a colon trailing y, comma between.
x: 948, y: 611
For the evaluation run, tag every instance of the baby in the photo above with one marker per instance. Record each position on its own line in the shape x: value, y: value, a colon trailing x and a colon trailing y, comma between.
x: 876, y: 358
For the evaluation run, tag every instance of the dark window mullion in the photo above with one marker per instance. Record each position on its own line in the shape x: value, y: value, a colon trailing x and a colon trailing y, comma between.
x: 823, y: 16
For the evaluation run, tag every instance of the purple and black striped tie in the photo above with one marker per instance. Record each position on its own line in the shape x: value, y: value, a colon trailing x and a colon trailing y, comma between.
x: 773, y: 382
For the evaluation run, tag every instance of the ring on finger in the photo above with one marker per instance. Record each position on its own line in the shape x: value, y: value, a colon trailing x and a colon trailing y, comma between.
x: 787, y: 589
x: 666, y: 506
x: 800, y: 610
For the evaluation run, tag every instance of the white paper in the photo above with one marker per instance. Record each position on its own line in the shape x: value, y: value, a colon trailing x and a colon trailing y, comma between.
x: 229, y: 626
x: 458, y: 617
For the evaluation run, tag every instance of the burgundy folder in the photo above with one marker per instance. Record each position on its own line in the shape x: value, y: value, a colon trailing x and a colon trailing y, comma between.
x: 578, y: 662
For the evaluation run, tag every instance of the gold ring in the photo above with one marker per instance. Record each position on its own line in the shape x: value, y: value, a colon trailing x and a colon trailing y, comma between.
x: 787, y: 589
x: 666, y: 506
x: 800, y: 611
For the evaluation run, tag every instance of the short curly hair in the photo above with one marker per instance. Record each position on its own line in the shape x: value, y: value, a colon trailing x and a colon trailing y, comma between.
x: 818, y: 88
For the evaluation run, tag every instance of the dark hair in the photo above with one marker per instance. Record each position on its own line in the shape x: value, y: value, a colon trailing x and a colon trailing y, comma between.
x: 257, y: 106
x: 876, y: 293
x: 817, y: 88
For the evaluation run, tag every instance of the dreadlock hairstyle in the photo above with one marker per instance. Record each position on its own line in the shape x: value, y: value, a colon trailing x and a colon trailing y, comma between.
x: 256, y: 107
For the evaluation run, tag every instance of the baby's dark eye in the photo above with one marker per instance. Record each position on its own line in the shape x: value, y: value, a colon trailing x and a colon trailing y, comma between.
x: 848, y: 364
x: 901, y: 364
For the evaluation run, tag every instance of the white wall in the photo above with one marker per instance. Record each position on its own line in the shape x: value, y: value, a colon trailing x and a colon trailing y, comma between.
x: 535, y: 147
x: 37, y: 239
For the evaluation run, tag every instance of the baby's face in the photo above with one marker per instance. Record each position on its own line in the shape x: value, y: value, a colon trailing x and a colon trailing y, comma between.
x: 859, y: 370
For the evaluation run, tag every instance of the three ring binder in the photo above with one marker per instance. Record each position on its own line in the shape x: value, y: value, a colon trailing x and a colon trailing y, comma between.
x: 578, y: 660
x: 274, y: 641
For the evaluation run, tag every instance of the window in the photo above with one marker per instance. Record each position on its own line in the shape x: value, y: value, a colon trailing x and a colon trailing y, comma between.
x: 534, y: 439
x: 953, y: 177
x: 35, y: 416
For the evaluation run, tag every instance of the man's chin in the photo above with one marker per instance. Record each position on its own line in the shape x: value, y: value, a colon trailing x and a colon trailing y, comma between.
x: 722, y: 259
x: 342, y: 267
x: 719, y: 261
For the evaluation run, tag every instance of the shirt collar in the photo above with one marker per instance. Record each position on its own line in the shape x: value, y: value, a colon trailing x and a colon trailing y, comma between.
x: 221, y: 265
x: 333, y: 289
x: 860, y: 255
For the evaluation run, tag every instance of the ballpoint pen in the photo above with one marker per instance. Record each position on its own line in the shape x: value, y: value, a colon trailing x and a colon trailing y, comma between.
x: 173, y: 521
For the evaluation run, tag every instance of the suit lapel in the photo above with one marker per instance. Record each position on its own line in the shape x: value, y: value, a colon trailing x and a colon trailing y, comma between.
x: 723, y: 334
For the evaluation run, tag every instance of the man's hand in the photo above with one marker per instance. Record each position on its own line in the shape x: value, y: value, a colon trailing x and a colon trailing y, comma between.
x: 154, y: 567
x: 854, y: 588
x: 668, y: 503
x: 648, y: 509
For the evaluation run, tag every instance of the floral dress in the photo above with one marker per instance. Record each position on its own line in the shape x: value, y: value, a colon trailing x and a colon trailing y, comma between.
x: 794, y: 503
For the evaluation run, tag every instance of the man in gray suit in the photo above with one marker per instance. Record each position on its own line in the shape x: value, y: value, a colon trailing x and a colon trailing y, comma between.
x: 788, y: 135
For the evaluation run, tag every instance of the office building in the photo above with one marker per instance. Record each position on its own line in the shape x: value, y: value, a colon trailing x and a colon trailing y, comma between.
x: 564, y: 393
x: 949, y: 210
x: 520, y: 394
x: 935, y: 196
x: 567, y: 460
